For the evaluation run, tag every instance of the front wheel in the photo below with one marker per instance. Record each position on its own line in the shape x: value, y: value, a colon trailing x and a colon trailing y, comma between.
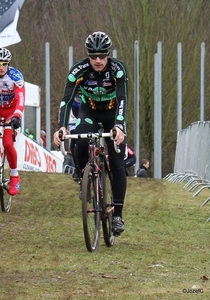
x: 107, y: 206
x: 5, y: 198
x: 90, y: 209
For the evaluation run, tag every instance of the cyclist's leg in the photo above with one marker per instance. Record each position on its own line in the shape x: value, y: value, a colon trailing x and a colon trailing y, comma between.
x: 118, y: 186
x: 72, y: 124
x: 8, y: 141
x: 116, y: 161
x: 118, y: 175
x: 76, y: 172
x: 86, y: 122
x: 12, y: 160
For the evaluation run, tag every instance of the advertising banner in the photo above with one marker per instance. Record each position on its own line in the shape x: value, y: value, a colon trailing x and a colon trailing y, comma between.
x: 33, y: 157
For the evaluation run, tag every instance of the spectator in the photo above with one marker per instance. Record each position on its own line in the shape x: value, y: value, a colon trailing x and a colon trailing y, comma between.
x: 43, y: 138
x: 142, y: 171
x: 28, y: 133
x: 68, y: 163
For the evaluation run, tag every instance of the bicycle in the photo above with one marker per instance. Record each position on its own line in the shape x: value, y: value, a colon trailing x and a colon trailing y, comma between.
x: 97, y: 199
x: 5, y: 198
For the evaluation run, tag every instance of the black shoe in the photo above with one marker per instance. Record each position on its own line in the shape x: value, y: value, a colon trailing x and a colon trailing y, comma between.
x: 117, y: 225
x: 76, y: 175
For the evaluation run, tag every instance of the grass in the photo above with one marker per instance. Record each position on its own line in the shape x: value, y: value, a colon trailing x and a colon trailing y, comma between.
x: 164, y: 249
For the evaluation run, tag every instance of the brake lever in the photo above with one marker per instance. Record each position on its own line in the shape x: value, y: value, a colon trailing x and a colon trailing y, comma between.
x: 60, y: 134
x: 61, y: 147
x: 116, y: 147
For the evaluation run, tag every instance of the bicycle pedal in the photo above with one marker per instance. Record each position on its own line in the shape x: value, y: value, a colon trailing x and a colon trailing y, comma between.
x: 117, y: 233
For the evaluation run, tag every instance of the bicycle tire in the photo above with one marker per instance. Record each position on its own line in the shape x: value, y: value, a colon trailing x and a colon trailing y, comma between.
x: 90, y: 209
x: 5, y: 198
x: 107, y: 208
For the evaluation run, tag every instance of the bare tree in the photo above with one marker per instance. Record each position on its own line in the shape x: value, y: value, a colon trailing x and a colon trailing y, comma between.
x: 65, y: 23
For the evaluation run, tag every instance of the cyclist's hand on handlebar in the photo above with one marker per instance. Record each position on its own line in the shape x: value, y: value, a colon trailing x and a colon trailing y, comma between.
x: 15, y: 122
x: 56, y: 137
x: 119, y: 136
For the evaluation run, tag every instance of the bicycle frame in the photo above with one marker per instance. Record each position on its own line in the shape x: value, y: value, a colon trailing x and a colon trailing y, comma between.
x: 96, y: 203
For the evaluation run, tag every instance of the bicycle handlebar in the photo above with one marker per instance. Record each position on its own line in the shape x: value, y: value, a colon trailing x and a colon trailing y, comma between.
x: 84, y: 136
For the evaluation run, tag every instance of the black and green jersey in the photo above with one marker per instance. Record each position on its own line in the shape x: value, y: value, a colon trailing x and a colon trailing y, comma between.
x: 100, y: 90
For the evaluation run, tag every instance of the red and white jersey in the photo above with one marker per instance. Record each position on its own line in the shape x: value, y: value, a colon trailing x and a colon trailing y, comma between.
x: 12, y: 91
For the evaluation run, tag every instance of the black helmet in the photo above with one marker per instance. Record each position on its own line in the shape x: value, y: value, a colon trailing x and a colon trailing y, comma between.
x: 98, y: 42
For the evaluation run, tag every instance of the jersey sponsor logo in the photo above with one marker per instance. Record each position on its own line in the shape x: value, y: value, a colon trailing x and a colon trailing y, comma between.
x: 71, y: 78
x: 115, y: 66
x: 7, y: 92
x: 91, y: 82
x: 16, y: 76
x: 120, y: 116
x: 119, y: 74
x: 21, y: 97
x: 6, y: 99
x: 97, y: 94
x: 107, y: 84
x: 79, y: 68
x: 92, y: 75
x: 88, y: 89
x: 107, y: 75
x: 99, y: 91
x: 5, y: 86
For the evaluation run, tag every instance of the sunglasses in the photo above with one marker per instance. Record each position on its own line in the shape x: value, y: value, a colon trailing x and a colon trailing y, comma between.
x: 4, y: 64
x: 100, y: 56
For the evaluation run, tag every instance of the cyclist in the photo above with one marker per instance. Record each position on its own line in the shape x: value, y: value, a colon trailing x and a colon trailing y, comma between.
x: 103, y: 83
x: 12, y: 101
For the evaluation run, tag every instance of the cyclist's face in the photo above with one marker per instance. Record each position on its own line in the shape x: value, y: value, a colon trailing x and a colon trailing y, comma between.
x: 98, y: 62
x: 3, y: 68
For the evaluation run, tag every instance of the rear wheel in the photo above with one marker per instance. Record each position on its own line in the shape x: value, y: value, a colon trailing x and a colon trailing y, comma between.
x: 90, y: 209
x: 107, y: 206
x: 5, y: 198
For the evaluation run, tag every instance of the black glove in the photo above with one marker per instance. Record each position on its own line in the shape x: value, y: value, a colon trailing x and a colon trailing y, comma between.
x: 16, y: 122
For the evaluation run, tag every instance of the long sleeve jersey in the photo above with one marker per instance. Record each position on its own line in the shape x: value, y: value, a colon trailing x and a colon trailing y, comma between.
x: 100, y: 90
x: 12, y: 91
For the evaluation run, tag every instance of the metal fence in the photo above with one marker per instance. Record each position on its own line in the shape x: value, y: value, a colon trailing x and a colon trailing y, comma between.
x: 193, y: 150
x: 192, y: 159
